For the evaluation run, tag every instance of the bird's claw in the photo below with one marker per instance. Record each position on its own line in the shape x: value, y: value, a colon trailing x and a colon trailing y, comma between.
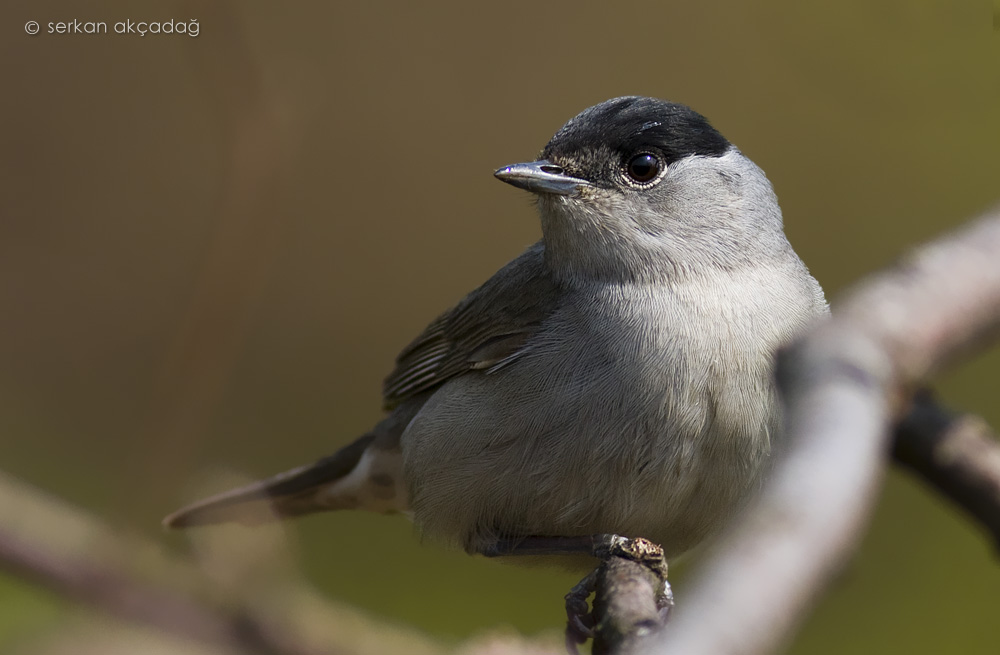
x: 579, y: 620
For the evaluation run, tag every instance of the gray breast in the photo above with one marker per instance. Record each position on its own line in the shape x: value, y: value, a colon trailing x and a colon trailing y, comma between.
x: 609, y: 422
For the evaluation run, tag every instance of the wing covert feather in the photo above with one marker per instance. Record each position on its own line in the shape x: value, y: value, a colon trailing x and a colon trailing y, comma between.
x: 487, y: 329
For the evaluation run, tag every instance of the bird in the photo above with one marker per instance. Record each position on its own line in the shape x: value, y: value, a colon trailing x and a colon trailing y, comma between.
x: 614, y: 378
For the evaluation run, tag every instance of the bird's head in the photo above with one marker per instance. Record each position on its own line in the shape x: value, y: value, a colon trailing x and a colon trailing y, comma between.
x: 639, y: 188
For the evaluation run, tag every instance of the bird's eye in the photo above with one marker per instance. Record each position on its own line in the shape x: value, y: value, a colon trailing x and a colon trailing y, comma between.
x: 643, y: 168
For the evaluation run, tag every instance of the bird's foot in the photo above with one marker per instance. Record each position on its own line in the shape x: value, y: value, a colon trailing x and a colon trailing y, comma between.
x: 638, y: 550
x: 644, y: 552
x: 579, y: 618
x: 580, y: 621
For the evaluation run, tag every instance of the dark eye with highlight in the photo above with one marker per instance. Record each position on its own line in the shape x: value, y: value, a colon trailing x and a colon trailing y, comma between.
x: 644, y: 167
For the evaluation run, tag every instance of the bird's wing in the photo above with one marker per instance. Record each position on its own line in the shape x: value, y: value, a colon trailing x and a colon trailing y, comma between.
x: 486, y: 330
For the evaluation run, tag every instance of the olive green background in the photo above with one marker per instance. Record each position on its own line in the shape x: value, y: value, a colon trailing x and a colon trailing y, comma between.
x: 211, y: 249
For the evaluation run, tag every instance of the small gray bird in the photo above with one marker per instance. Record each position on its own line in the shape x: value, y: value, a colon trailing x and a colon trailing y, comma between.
x: 616, y: 378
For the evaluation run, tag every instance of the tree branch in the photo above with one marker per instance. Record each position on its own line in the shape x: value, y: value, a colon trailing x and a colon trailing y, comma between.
x: 132, y: 600
x: 627, y: 606
x: 74, y: 555
x: 843, y: 387
x: 958, y: 455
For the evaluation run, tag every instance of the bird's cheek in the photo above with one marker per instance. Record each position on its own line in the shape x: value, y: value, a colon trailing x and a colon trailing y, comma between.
x: 592, y: 195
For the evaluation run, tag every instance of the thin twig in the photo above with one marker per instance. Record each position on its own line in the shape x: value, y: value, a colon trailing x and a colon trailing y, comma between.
x: 132, y: 600
x: 73, y: 554
x: 625, y: 606
x: 958, y: 455
x: 632, y: 596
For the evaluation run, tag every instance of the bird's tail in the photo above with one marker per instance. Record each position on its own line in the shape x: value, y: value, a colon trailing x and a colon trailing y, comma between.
x: 358, y: 476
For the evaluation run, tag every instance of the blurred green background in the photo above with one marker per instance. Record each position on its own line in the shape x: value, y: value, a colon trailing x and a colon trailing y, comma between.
x: 211, y: 249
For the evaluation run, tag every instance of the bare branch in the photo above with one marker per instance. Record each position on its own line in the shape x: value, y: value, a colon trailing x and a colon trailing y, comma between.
x: 75, y: 556
x: 626, y: 606
x: 843, y: 386
x: 132, y: 600
x: 958, y: 455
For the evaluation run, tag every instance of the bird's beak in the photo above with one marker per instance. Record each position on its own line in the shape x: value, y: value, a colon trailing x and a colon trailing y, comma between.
x: 541, y: 177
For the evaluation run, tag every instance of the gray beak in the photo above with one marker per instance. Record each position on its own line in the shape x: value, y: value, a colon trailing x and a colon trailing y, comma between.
x: 541, y: 177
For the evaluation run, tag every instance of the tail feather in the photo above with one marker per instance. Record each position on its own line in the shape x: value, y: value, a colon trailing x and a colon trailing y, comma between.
x: 302, y: 490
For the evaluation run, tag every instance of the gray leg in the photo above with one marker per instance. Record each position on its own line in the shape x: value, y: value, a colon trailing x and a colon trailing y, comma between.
x: 600, y: 546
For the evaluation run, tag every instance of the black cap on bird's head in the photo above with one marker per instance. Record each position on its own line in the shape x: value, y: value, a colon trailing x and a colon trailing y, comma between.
x: 621, y: 143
